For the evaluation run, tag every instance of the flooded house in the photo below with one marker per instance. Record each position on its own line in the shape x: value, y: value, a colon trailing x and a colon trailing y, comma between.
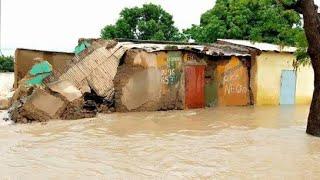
x: 162, y: 76
x: 228, y: 73
x: 131, y: 75
x: 274, y: 79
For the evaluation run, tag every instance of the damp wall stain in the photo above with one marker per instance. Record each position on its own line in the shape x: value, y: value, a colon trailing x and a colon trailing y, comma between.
x: 142, y: 87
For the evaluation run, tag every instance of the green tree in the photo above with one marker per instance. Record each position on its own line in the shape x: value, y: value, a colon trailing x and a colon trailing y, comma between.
x: 150, y: 22
x: 257, y: 20
x: 6, y: 64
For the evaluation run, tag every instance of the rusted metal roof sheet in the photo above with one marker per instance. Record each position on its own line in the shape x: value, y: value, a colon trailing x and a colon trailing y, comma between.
x: 215, y: 49
x: 211, y: 50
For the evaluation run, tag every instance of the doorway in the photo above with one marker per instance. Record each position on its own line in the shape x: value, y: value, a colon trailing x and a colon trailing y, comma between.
x: 194, y: 86
x: 288, y: 87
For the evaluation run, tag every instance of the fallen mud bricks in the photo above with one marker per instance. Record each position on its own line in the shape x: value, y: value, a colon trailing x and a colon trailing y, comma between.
x: 82, y: 90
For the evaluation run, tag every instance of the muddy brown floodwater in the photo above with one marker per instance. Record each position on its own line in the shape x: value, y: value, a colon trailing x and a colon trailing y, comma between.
x: 218, y: 143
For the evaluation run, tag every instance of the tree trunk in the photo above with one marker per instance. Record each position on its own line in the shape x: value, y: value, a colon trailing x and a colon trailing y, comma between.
x: 313, y: 126
x: 312, y: 30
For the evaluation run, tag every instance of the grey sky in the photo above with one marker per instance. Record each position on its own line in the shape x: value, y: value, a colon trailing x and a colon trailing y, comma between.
x: 57, y: 25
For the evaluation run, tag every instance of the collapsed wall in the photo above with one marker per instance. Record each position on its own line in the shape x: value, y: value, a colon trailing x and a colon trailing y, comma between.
x: 80, y: 89
x: 37, y: 100
x: 96, y: 70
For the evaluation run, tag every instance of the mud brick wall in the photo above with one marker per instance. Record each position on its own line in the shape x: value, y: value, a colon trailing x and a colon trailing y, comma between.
x: 228, y: 82
x: 151, y: 81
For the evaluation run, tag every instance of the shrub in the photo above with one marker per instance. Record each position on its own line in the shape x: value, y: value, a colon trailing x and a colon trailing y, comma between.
x: 6, y: 64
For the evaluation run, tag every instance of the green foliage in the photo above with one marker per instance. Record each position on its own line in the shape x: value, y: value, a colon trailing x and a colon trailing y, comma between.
x: 257, y: 20
x: 6, y: 64
x: 150, y: 22
x: 301, y: 42
x: 301, y: 53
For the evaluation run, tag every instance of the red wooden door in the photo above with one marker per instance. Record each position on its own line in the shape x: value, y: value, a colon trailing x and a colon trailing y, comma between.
x: 194, y: 87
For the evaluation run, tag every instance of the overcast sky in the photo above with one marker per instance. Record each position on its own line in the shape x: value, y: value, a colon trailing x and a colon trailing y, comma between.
x: 57, y: 24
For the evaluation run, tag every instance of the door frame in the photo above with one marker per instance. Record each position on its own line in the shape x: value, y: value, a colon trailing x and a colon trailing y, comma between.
x: 295, y: 87
x: 186, y: 89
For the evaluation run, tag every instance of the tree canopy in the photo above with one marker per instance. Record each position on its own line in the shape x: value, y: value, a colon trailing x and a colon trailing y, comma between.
x: 149, y: 22
x: 6, y: 64
x: 257, y: 20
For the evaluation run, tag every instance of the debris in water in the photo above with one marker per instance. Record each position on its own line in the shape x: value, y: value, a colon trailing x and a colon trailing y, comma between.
x: 5, y: 118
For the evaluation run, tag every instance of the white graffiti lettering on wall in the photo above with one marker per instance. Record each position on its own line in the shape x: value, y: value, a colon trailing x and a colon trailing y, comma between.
x: 166, y: 74
x: 230, y: 82
x: 235, y: 89
x: 230, y: 78
x: 171, y: 74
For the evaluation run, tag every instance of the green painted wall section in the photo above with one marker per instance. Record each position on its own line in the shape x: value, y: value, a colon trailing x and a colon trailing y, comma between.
x: 211, y: 85
x: 39, y: 72
x: 37, y: 80
x: 211, y: 94
x: 42, y: 67
x: 81, y: 47
x: 174, y: 67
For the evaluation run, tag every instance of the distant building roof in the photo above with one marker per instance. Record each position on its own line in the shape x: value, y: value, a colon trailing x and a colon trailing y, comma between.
x: 47, y: 51
x: 260, y: 46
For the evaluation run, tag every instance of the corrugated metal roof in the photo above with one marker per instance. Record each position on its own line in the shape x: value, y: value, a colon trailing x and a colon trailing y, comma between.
x: 211, y: 50
x: 214, y: 49
x: 260, y: 46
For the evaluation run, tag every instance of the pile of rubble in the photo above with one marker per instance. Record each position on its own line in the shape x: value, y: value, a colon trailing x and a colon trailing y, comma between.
x: 6, y: 81
x: 80, y: 90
